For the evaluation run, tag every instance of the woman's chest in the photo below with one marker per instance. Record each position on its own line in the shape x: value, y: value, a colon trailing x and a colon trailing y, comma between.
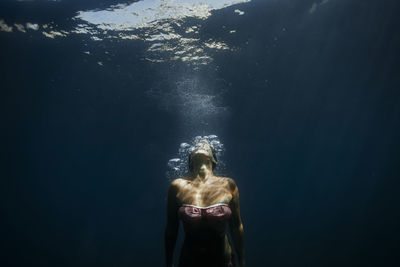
x: 204, y: 196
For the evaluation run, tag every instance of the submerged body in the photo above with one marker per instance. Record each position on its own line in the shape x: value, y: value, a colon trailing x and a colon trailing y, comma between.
x: 206, y: 205
x: 205, y: 213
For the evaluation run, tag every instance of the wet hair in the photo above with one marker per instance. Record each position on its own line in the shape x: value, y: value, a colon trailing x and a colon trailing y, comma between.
x: 214, y: 160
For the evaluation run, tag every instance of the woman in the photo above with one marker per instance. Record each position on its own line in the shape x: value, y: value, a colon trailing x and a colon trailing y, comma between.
x: 206, y: 204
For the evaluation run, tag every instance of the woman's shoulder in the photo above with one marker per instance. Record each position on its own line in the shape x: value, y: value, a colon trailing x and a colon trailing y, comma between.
x: 178, y: 182
x: 229, y: 182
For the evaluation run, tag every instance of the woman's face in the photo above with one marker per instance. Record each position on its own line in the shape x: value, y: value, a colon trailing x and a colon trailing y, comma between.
x: 202, y: 161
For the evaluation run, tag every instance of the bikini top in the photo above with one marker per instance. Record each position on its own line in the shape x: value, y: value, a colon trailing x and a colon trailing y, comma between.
x: 192, y: 213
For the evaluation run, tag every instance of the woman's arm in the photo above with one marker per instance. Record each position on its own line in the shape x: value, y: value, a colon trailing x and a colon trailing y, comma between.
x: 171, y: 230
x: 236, y: 226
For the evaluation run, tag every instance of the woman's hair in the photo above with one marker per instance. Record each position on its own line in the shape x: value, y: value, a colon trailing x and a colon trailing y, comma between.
x: 213, y: 158
x: 182, y: 165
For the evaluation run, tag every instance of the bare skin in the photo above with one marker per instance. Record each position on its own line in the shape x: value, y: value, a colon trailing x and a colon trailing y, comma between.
x: 207, y: 240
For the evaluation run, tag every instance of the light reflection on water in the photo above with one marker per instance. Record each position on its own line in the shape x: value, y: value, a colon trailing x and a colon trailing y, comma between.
x: 150, y: 12
x: 160, y: 22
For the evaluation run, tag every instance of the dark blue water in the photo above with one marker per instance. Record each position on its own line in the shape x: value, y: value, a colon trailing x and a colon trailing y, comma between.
x: 310, y: 125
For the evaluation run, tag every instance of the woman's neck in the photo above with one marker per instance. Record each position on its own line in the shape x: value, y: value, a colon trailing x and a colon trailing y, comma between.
x: 202, y: 175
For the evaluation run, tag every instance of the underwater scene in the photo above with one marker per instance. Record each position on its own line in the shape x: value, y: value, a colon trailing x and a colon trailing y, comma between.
x: 292, y: 104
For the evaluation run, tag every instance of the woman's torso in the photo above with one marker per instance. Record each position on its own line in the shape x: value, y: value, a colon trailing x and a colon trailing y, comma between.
x: 204, y: 211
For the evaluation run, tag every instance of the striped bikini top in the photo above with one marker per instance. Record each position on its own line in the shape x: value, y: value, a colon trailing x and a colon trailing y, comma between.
x: 218, y: 212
